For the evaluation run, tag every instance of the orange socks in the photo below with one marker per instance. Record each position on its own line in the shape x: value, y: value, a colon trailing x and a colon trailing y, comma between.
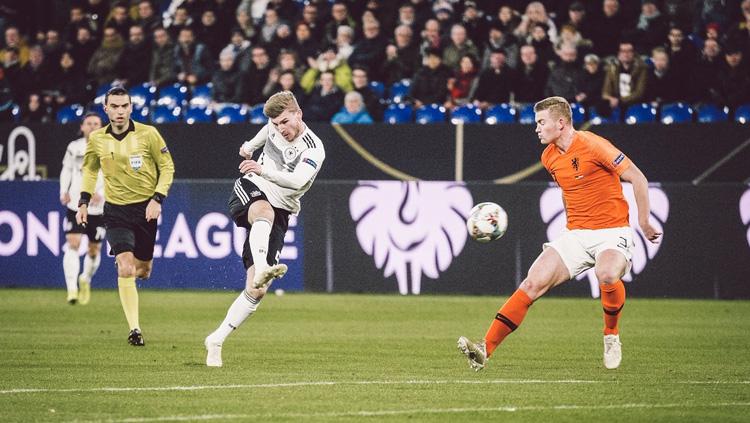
x: 613, y: 298
x: 508, y: 318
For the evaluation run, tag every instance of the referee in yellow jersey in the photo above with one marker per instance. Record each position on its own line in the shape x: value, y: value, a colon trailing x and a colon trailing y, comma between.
x: 138, y: 171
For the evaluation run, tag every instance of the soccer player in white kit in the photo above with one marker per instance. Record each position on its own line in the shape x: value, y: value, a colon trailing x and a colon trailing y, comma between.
x: 79, y: 285
x: 262, y: 201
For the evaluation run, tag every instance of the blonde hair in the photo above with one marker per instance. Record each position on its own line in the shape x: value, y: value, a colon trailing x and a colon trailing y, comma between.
x: 277, y: 103
x: 557, y: 106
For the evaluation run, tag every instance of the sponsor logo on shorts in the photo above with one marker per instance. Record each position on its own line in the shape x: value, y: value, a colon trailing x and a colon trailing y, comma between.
x: 618, y: 159
x: 311, y: 162
x: 255, y: 193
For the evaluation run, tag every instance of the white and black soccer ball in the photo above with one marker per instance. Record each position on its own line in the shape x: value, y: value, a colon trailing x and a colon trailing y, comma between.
x: 487, y: 222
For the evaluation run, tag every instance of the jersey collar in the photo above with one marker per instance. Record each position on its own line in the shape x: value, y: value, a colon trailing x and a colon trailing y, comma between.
x: 120, y: 137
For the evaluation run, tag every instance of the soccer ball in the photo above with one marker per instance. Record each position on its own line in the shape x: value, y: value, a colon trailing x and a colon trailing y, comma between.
x: 487, y: 222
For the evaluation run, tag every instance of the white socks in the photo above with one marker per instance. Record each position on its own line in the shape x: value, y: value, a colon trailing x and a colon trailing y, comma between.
x: 90, y: 266
x: 260, y: 232
x: 71, y: 267
x: 238, y: 312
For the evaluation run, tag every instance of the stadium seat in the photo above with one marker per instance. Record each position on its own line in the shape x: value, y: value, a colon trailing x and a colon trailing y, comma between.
x: 231, y: 113
x: 141, y: 114
x: 467, y: 113
x: 742, y: 114
x: 199, y: 115
x: 708, y: 113
x: 500, y: 113
x: 165, y: 114
x: 142, y: 95
x: 579, y: 113
x: 430, y: 113
x: 526, y: 115
x: 101, y: 92
x: 640, y: 113
x: 70, y: 114
x: 257, y: 116
x: 378, y: 88
x: 172, y: 96
x: 676, y: 113
x: 598, y: 119
x: 399, y: 91
x: 201, y: 95
x: 398, y: 113
x: 15, y: 111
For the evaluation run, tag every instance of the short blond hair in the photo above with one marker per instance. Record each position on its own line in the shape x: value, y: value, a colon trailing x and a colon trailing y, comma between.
x: 558, y: 108
x: 277, y: 103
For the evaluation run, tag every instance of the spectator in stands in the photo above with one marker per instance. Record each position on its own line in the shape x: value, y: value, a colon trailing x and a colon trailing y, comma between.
x: 339, y: 17
x: 542, y: 44
x: 97, y: 12
x: 565, y: 79
x: 210, y: 34
x: 245, y: 24
x: 119, y: 19
x: 226, y: 81
x: 682, y: 56
x: 69, y: 84
x: 361, y: 84
x: 430, y: 83
x: 192, y: 60
x: 531, y: 77
x: 570, y: 35
x: 344, y: 42
x: 325, y: 99
x: 662, y: 87
x: 705, y: 84
x: 181, y: 19
x: 458, y: 46
x: 287, y: 61
x: 369, y: 52
x: 135, y: 60
x: 733, y: 79
x: 162, y: 70
x: 286, y: 10
x: 407, y: 16
x: 402, y: 56
x: 473, y: 20
x: 739, y: 32
x: 535, y: 14
x: 328, y: 61
x: 625, y: 80
x: 103, y: 64
x: 579, y: 19
x: 82, y: 48
x: 354, y: 110
x: 76, y: 18
x: 496, y: 83
x: 305, y: 46
x: 53, y: 46
x: 463, y: 83
x: 267, y: 30
x: 241, y: 49
x: 11, y: 71
x: 590, y: 90
x: 34, y: 110
x: 147, y: 17
x: 711, y: 11
x: 422, y: 13
x: 284, y: 40
x: 256, y: 76
x: 36, y: 75
x: 311, y: 15
x: 443, y: 15
x: 651, y: 28
x: 608, y: 28
x: 13, y: 40
x: 499, y: 38
x: 508, y: 18
x: 286, y: 81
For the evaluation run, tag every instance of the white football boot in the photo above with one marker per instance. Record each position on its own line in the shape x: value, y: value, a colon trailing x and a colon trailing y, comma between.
x: 213, y: 355
x: 476, y: 353
x: 267, y: 275
x: 612, y: 351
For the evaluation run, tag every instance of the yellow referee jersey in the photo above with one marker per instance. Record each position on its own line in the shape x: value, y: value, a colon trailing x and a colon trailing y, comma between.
x: 135, y: 164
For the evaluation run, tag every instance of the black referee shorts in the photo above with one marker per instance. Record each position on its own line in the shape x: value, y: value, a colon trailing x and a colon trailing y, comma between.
x: 94, y: 229
x: 245, y: 193
x: 128, y: 230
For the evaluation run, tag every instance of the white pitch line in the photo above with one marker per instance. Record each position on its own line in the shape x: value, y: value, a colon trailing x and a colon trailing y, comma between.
x: 334, y: 383
x: 383, y: 413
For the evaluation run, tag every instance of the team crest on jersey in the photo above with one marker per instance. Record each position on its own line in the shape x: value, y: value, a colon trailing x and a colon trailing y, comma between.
x: 136, y: 161
x: 574, y: 162
x: 290, y: 153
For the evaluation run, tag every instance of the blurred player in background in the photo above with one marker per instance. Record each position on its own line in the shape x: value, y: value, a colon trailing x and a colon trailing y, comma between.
x: 262, y: 201
x: 588, y: 169
x: 79, y: 286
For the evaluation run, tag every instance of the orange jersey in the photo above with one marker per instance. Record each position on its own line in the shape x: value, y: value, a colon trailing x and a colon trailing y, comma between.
x: 589, y: 175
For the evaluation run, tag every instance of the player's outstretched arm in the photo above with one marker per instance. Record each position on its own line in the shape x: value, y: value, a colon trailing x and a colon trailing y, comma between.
x: 248, y: 147
x: 640, y: 190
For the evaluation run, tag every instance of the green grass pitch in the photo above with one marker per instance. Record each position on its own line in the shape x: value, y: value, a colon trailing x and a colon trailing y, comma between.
x: 312, y: 357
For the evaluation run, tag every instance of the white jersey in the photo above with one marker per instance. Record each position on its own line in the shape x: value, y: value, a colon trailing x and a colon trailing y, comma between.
x: 70, y: 177
x: 289, y: 168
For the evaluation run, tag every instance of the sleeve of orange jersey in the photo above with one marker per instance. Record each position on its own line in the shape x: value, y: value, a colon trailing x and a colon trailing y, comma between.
x: 609, y: 156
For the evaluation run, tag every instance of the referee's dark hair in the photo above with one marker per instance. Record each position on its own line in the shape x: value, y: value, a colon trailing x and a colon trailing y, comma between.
x: 118, y: 90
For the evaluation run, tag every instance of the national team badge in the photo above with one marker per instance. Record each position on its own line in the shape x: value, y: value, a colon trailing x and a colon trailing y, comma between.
x: 136, y: 161
x: 290, y: 153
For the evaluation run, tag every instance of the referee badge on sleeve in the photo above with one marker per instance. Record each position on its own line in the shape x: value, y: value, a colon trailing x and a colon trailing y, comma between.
x: 136, y: 161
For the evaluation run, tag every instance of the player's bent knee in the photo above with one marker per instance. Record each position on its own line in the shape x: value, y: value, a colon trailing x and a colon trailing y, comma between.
x: 125, y: 270
x: 143, y: 274
x: 607, y: 276
x: 533, y: 287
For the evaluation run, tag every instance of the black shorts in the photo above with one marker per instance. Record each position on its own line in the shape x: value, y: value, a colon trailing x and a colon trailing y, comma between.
x: 245, y: 193
x: 128, y: 230
x: 94, y: 229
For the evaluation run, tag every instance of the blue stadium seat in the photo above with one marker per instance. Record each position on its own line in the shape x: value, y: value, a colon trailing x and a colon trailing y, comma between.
x: 257, y: 116
x: 172, y: 96
x: 709, y: 113
x: 141, y: 114
x: 526, y: 114
x: 70, y: 114
x: 640, y: 113
x: 101, y: 92
x: 500, y: 113
x: 231, y: 113
x: 430, y: 113
x: 598, y: 119
x: 201, y: 95
x: 399, y: 91
x: 742, y: 114
x: 398, y: 113
x: 16, y: 112
x: 467, y: 113
x: 579, y: 113
x: 165, y: 114
x: 199, y: 115
x: 142, y: 95
x: 99, y: 110
x: 378, y: 88
x: 676, y: 113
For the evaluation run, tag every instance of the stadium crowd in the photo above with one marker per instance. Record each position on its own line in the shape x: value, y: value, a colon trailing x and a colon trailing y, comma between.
x: 600, y: 54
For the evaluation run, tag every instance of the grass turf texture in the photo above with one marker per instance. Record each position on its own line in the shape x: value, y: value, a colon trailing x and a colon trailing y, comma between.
x: 380, y: 358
